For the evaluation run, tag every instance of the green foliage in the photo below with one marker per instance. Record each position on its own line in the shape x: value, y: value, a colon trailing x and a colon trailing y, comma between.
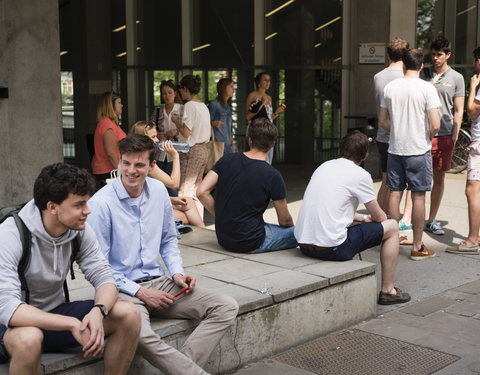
x: 425, y: 22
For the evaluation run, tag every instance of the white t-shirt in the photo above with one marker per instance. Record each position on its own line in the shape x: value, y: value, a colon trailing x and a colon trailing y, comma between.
x: 197, y: 119
x: 407, y: 101
x: 330, y: 201
x: 168, y: 124
x: 475, y: 129
x: 380, y: 80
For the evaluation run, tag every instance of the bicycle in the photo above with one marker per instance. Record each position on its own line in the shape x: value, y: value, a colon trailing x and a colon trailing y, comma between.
x: 460, y: 153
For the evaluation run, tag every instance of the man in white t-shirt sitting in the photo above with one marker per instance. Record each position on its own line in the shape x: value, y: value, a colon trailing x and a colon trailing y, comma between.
x: 324, y: 229
x: 409, y: 109
x: 472, y: 190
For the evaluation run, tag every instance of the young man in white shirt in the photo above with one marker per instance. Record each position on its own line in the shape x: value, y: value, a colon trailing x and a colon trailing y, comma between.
x: 409, y: 109
x: 324, y: 229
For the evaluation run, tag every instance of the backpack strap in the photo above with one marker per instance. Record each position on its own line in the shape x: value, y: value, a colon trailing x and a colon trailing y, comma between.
x: 75, y: 249
x: 26, y: 239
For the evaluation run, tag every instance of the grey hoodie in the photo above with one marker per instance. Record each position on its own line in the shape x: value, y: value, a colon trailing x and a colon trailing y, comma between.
x: 49, y: 263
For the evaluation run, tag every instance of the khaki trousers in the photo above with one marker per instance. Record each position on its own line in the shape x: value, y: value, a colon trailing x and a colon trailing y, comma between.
x: 215, y: 312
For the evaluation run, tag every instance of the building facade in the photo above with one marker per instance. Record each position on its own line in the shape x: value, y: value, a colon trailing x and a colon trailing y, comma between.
x: 58, y: 57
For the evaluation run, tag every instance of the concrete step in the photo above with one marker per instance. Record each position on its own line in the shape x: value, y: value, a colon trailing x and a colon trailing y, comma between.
x: 285, y: 299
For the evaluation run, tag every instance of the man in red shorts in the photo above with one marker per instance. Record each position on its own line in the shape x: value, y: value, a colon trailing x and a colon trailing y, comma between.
x: 451, y: 90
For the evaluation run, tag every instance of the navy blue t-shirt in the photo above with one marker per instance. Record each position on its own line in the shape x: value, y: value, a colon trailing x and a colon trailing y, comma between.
x: 244, y: 189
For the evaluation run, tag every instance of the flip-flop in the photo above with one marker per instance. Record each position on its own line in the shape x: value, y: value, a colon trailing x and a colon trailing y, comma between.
x: 404, y: 241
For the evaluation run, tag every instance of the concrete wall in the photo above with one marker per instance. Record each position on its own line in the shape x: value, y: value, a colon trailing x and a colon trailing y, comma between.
x: 371, y: 21
x: 30, y: 119
x: 375, y: 21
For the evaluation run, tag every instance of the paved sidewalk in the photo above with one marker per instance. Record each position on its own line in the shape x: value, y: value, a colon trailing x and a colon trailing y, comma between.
x: 444, y: 313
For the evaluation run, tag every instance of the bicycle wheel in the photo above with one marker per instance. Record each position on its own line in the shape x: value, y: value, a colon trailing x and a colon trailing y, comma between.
x: 460, y: 154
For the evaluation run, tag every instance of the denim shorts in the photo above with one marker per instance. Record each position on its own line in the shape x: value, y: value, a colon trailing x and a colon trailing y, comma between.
x: 55, y: 341
x: 409, y: 172
x: 383, y: 151
x: 359, y: 237
x: 277, y: 238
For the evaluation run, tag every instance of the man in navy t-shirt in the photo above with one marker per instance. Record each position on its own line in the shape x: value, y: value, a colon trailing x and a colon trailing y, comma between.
x: 244, y: 184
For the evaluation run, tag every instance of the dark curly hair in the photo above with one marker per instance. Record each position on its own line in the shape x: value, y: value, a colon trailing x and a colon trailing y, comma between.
x: 56, y: 181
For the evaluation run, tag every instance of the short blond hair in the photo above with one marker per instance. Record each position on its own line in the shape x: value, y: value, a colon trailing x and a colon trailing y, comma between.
x: 141, y: 127
x: 396, y: 48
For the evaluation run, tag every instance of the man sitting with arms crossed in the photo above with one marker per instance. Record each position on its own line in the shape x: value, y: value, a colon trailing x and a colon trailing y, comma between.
x: 244, y: 185
x: 133, y: 218
x: 47, y: 323
x: 324, y: 229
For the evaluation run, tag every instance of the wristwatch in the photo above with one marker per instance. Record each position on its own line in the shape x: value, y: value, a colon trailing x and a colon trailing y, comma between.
x: 103, y: 309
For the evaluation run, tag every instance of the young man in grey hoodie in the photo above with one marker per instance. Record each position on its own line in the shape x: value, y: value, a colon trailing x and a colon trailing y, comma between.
x: 54, y: 217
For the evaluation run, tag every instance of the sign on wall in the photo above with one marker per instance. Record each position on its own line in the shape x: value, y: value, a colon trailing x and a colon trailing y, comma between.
x: 372, y: 53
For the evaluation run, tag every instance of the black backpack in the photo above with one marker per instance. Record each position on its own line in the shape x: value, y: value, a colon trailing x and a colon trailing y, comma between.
x: 26, y: 239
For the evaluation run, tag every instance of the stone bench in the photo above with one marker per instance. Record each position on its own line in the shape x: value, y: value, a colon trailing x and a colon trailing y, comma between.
x: 285, y: 299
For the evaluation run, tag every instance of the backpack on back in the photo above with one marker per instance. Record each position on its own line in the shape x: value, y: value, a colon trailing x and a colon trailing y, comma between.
x: 26, y: 239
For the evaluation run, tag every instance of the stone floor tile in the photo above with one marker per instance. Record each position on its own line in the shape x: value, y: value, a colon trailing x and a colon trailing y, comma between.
x: 207, y: 282
x: 464, y: 308
x: 198, y: 236
x: 192, y: 256
x: 235, y: 269
x: 285, y: 284
x: 429, y: 306
x: 456, y: 326
x: 471, y: 288
x: 395, y: 331
x: 271, y: 367
x: 338, y: 272
x: 290, y: 258
x: 435, y: 341
x: 248, y: 299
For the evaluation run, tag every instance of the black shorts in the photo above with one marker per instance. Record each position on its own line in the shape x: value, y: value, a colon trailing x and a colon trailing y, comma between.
x: 382, y: 148
x: 55, y: 341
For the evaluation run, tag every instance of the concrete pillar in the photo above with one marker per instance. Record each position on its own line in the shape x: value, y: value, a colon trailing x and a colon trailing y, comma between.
x: 259, y: 33
x: 187, y: 35
x: 299, y: 91
x: 92, y: 69
x: 403, y: 19
x: 30, y: 118
x: 132, y: 74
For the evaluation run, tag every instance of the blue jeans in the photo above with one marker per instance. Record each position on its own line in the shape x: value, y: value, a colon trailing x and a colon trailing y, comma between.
x: 277, y: 238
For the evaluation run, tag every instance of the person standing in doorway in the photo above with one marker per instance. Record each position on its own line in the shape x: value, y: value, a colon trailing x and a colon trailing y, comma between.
x: 259, y: 104
x: 221, y: 114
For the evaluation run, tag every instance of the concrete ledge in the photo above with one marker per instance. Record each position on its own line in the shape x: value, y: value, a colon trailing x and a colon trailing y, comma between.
x: 285, y: 299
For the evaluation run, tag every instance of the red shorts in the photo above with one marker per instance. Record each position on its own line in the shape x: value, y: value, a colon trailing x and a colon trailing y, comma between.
x: 442, y: 151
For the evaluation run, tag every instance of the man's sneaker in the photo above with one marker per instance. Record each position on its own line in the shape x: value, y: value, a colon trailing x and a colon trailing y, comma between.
x: 434, y: 227
x: 403, y: 226
x: 389, y: 299
x: 424, y: 253
x: 463, y: 248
